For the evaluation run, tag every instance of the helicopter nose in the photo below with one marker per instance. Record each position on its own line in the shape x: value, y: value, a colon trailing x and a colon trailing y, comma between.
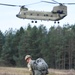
x: 17, y: 15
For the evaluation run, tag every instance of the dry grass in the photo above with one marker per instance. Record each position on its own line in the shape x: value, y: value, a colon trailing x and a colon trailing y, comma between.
x: 13, y: 71
x: 24, y: 71
x: 61, y: 72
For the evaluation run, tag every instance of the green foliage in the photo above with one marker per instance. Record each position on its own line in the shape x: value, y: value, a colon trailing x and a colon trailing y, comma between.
x: 1, y: 42
x: 56, y: 46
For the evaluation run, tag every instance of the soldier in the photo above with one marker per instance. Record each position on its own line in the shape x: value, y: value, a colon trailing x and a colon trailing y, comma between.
x: 33, y: 66
x: 29, y: 65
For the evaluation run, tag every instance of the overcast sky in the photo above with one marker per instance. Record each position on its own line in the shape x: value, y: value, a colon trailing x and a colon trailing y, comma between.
x: 8, y: 17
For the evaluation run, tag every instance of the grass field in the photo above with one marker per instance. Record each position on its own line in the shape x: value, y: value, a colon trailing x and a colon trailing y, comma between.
x: 24, y: 71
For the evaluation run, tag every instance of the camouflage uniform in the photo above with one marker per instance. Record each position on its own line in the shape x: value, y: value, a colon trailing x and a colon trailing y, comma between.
x: 33, y: 72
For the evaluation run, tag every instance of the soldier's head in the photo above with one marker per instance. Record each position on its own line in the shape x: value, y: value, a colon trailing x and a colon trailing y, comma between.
x: 28, y: 58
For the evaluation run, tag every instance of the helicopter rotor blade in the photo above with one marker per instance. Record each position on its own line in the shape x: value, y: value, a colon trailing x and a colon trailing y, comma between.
x: 69, y: 3
x: 49, y: 2
x: 18, y: 5
x: 10, y: 5
x: 32, y: 3
x: 55, y: 1
x: 63, y: 3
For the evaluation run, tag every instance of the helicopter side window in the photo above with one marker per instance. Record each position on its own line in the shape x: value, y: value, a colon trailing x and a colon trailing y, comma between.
x: 45, y: 14
x: 37, y: 14
x: 31, y: 14
x: 51, y: 15
x: 24, y: 13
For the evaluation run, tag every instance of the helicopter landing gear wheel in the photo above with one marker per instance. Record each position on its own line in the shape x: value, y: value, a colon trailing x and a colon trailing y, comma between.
x: 35, y: 21
x: 32, y: 21
x: 58, y: 22
x: 54, y: 22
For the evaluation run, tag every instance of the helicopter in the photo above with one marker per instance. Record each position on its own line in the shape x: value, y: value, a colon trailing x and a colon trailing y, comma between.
x: 59, y: 12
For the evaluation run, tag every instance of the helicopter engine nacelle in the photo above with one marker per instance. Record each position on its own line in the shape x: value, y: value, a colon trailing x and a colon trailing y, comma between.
x: 62, y: 9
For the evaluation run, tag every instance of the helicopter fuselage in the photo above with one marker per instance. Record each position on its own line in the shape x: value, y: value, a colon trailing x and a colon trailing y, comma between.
x: 58, y: 13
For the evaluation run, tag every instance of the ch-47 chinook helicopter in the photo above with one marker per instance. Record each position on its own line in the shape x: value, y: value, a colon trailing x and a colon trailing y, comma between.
x: 58, y: 12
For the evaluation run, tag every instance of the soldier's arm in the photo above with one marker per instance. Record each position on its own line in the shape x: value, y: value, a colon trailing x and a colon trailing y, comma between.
x: 30, y: 69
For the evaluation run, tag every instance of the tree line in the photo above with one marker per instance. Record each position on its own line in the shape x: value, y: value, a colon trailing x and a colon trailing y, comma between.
x: 56, y: 46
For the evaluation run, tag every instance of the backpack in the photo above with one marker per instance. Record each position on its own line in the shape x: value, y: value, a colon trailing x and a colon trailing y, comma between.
x: 41, y: 65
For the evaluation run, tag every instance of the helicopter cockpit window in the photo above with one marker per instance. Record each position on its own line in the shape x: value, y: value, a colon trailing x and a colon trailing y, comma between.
x: 19, y: 12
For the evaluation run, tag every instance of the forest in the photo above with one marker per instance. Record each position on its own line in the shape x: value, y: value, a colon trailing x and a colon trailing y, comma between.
x: 56, y: 46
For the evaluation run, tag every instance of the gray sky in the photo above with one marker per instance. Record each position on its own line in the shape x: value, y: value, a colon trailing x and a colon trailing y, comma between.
x: 8, y: 17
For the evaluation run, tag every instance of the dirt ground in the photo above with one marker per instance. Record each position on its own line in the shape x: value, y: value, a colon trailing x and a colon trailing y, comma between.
x: 24, y: 71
